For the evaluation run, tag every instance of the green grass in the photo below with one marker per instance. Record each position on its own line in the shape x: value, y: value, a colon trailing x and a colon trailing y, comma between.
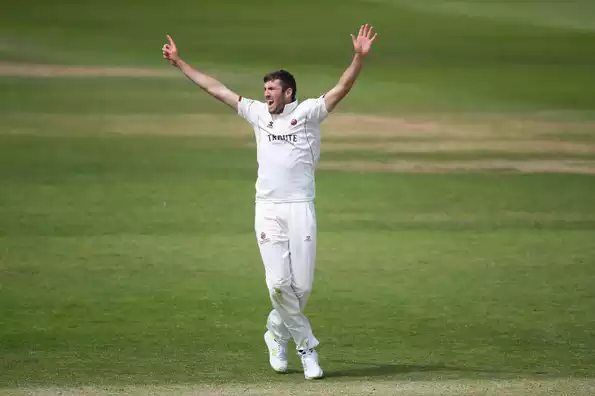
x: 133, y: 260
x: 425, y: 60
x: 385, y: 157
x: 128, y: 256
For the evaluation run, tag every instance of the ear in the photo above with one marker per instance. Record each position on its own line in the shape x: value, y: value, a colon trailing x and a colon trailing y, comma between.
x: 288, y: 93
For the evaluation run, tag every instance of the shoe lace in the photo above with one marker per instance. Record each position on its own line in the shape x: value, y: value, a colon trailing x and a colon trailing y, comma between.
x: 306, y: 355
x: 280, y: 349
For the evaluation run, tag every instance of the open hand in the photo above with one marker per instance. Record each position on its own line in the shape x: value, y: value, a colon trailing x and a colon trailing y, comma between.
x: 170, y: 51
x: 363, y: 42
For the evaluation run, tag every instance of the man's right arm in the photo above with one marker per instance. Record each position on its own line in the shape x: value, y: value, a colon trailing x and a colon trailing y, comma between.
x: 209, y: 84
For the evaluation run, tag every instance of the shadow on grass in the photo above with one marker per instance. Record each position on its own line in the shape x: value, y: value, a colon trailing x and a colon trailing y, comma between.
x: 387, y: 370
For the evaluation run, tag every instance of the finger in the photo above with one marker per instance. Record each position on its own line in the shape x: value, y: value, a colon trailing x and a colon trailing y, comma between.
x: 369, y: 32
x: 171, y: 41
x: 373, y: 37
x: 361, y: 30
x: 366, y: 29
x: 353, y: 39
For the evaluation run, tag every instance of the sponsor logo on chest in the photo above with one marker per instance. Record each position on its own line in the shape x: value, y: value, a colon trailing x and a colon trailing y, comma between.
x: 282, y: 126
x: 286, y: 138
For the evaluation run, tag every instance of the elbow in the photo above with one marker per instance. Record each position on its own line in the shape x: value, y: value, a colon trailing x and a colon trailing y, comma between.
x: 215, y: 90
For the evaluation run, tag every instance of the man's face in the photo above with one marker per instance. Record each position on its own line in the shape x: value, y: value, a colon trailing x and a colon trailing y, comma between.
x: 274, y: 96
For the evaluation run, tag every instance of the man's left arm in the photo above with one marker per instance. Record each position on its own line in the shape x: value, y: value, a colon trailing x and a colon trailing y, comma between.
x: 361, y: 46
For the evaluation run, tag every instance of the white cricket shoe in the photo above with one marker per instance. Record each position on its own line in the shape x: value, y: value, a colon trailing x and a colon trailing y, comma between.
x: 312, y: 369
x: 277, y: 353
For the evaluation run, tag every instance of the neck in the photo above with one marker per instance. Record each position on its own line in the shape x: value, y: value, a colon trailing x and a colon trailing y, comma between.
x: 282, y: 108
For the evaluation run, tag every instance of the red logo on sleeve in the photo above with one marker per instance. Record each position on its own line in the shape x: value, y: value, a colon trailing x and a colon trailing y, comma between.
x: 293, y: 122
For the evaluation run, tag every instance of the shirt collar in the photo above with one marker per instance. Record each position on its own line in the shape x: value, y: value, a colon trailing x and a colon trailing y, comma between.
x: 288, y: 109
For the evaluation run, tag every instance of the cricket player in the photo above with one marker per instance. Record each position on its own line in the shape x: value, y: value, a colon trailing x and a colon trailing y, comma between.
x: 287, y: 134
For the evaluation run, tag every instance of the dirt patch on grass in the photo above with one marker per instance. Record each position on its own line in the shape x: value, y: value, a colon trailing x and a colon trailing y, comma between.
x: 207, y: 125
x: 498, y: 137
x: 346, y: 125
x: 366, y: 126
x: 411, y: 166
x: 326, y: 388
x: 341, y: 132
x: 503, y: 217
x: 229, y: 125
x: 40, y: 70
x: 507, y: 146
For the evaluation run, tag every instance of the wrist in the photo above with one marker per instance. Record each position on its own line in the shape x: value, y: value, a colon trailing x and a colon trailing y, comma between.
x: 178, y: 62
x: 358, y: 59
x: 357, y: 56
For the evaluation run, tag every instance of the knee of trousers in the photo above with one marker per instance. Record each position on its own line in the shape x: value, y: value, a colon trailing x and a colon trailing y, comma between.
x: 279, y: 286
x: 275, y: 319
x: 302, y: 291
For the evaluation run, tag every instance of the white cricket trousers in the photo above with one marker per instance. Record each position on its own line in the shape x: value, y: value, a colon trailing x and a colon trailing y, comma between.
x: 286, y: 234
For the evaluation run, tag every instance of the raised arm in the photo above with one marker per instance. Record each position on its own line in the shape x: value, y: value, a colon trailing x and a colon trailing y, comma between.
x: 361, y: 47
x: 212, y: 86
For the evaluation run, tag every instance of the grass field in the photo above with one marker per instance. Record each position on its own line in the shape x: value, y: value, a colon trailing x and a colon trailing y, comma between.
x: 454, y: 198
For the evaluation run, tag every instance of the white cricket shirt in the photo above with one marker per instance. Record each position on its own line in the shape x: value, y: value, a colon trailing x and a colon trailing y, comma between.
x: 288, y: 148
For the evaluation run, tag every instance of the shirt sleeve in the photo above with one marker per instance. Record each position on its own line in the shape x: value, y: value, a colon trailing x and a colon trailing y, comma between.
x: 318, y: 112
x: 248, y: 109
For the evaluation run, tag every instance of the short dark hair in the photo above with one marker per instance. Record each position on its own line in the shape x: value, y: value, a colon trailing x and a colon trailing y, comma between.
x: 286, y: 78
